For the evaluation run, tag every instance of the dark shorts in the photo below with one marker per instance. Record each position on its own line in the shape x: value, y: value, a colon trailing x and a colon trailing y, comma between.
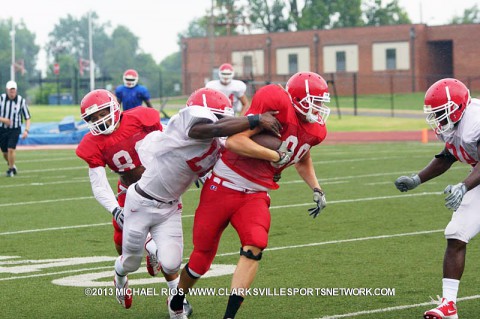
x: 9, y: 138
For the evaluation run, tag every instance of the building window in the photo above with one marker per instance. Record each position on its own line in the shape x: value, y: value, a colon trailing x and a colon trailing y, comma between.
x: 292, y: 63
x: 247, y: 65
x: 341, y: 59
x: 391, y: 59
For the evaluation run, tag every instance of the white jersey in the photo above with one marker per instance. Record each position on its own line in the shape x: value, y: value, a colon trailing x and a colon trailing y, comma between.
x: 173, y: 160
x: 462, y: 141
x: 233, y: 90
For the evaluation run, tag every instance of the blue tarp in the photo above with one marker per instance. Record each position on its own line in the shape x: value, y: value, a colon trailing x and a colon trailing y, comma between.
x: 67, y: 131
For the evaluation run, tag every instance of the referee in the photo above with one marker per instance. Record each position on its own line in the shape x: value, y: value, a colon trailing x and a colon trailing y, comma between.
x: 13, y: 110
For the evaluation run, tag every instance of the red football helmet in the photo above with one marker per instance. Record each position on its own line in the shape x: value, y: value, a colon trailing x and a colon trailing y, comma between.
x: 130, y: 78
x: 214, y: 100
x: 445, y: 104
x: 98, y: 100
x: 226, y: 73
x: 309, y: 93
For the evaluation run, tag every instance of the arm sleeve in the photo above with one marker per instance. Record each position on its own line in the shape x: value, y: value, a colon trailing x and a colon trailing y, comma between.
x: 101, y: 188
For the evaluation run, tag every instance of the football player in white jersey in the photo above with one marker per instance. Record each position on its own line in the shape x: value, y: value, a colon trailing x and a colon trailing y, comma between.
x: 455, y: 118
x: 173, y: 160
x: 233, y: 89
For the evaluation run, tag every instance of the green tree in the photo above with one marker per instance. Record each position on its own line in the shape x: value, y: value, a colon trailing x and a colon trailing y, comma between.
x: 470, y: 15
x: 267, y: 16
x: 171, y: 74
x: 375, y: 13
x: 25, y: 49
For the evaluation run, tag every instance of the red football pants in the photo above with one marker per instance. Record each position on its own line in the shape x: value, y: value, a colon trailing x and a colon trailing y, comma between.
x: 248, y: 213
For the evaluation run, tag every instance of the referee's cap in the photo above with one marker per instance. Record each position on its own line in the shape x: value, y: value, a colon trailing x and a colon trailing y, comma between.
x: 11, y: 85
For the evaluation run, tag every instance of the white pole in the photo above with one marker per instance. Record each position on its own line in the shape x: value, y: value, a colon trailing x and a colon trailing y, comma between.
x: 90, y: 49
x: 12, y: 67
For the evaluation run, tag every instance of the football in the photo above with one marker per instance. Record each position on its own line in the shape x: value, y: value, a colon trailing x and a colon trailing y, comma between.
x: 267, y: 140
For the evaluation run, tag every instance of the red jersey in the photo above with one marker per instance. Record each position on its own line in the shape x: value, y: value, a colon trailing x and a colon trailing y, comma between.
x: 300, y: 136
x: 117, y: 150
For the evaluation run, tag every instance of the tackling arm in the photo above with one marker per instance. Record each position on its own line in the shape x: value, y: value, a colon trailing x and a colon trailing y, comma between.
x: 101, y: 188
x: 228, y: 126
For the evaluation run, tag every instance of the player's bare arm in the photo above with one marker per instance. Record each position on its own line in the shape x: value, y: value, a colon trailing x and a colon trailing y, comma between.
x: 306, y: 171
x: 473, y: 179
x: 244, y: 100
x: 228, y: 126
x: 129, y: 177
x: 149, y: 104
x: 439, y: 165
x: 242, y: 144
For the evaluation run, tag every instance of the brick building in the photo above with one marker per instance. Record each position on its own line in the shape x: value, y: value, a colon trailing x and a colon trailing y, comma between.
x: 367, y: 60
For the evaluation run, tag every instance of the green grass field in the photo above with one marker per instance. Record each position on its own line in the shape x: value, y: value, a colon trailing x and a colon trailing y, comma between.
x: 56, y: 242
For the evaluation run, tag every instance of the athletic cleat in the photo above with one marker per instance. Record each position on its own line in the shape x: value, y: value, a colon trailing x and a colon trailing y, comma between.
x: 446, y: 310
x: 10, y: 173
x: 153, y: 266
x: 180, y: 314
x: 187, y: 307
x: 14, y: 170
x: 123, y: 294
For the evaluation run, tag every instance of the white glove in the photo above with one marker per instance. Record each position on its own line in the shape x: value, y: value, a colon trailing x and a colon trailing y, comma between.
x: 406, y: 183
x: 118, y: 215
x: 285, y: 155
x: 455, y: 195
x: 319, y: 198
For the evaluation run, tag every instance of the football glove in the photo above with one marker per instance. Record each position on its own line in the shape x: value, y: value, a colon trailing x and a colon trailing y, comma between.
x: 118, y: 215
x: 277, y: 177
x: 201, y: 179
x: 406, y: 183
x: 285, y: 155
x: 455, y: 195
x: 319, y: 198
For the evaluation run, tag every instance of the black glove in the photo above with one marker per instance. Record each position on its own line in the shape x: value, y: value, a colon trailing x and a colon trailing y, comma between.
x: 118, y: 215
x: 319, y: 198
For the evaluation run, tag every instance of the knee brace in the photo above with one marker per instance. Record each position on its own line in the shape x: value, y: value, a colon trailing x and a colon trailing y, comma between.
x: 249, y: 254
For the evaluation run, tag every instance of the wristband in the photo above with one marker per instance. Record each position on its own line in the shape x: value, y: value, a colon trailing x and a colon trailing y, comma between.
x: 253, y: 120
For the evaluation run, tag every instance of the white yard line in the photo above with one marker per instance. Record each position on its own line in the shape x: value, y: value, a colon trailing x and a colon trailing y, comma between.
x: 368, y: 312
x: 331, y: 242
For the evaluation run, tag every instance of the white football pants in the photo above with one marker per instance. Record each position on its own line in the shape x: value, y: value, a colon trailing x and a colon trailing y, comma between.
x: 163, y: 221
x: 465, y: 223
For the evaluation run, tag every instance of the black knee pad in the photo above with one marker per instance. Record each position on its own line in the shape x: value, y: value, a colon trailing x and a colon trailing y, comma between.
x: 249, y: 254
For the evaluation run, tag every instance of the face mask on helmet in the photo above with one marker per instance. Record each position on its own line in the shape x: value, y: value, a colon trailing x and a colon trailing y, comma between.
x: 309, y: 93
x: 100, y: 111
x: 130, y: 78
x: 445, y: 104
x: 214, y: 100
x: 226, y: 73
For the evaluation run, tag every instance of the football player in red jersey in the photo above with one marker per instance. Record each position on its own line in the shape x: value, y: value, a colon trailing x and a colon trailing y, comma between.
x: 112, y: 141
x: 236, y: 192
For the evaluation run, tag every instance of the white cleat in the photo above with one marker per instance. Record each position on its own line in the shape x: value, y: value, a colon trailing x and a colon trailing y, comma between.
x: 123, y: 294
x: 180, y: 314
x: 153, y: 266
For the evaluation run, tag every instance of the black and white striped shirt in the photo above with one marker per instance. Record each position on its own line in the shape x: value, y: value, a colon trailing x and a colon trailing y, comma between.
x: 16, y: 110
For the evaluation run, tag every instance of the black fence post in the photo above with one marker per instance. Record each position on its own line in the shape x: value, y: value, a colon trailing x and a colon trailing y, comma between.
x: 391, y: 94
x: 355, y: 94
